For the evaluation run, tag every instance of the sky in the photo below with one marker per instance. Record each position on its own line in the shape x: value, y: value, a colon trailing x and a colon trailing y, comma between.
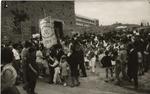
x: 112, y: 11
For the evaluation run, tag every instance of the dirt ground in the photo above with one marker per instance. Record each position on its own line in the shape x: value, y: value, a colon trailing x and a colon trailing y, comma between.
x: 94, y: 84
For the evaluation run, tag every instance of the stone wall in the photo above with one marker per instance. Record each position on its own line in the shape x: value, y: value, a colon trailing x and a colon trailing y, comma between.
x: 20, y: 19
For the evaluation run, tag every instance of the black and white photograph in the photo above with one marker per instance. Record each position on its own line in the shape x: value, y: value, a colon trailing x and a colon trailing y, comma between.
x: 75, y: 46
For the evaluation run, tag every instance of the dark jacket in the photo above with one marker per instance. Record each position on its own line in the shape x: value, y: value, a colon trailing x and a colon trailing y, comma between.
x: 132, y: 63
x: 74, y: 61
x: 31, y: 59
x: 106, y: 61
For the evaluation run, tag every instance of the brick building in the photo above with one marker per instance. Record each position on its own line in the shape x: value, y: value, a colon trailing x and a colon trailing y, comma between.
x: 20, y: 19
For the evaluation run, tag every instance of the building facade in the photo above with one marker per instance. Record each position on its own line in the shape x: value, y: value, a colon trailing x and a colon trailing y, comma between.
x: 85, y: 21
x: 86, y: 24
x: 20, y: 19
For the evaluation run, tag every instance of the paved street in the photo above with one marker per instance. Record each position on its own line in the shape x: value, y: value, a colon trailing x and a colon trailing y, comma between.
x: 94, y: 84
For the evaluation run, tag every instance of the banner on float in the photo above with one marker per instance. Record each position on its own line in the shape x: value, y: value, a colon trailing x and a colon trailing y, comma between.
x: 47, y: 32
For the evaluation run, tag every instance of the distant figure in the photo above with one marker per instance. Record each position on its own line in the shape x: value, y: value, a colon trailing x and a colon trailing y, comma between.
x: 16, y: 63
x: 147, y: 57
x: 39, y: 60
x: 106, y: 61
x: 32, y: 70
x: 74, y: 61
x: 100, y: 56
x: 133, y: 63
x: 55, y: 65
x: 64, y: 66
x: 24, y: 53
x: 82, y: 62
x: 49, y: 58
x: 121, y: 63
x: 93, y: 62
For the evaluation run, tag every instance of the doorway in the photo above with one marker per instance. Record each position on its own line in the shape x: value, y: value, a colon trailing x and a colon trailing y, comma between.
x: 58, y: 28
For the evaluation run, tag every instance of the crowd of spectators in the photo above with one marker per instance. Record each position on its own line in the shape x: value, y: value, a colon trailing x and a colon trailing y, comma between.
x: 126, y: 53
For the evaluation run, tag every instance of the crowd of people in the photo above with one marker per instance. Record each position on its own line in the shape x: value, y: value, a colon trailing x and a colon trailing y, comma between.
x: 124, y: 55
